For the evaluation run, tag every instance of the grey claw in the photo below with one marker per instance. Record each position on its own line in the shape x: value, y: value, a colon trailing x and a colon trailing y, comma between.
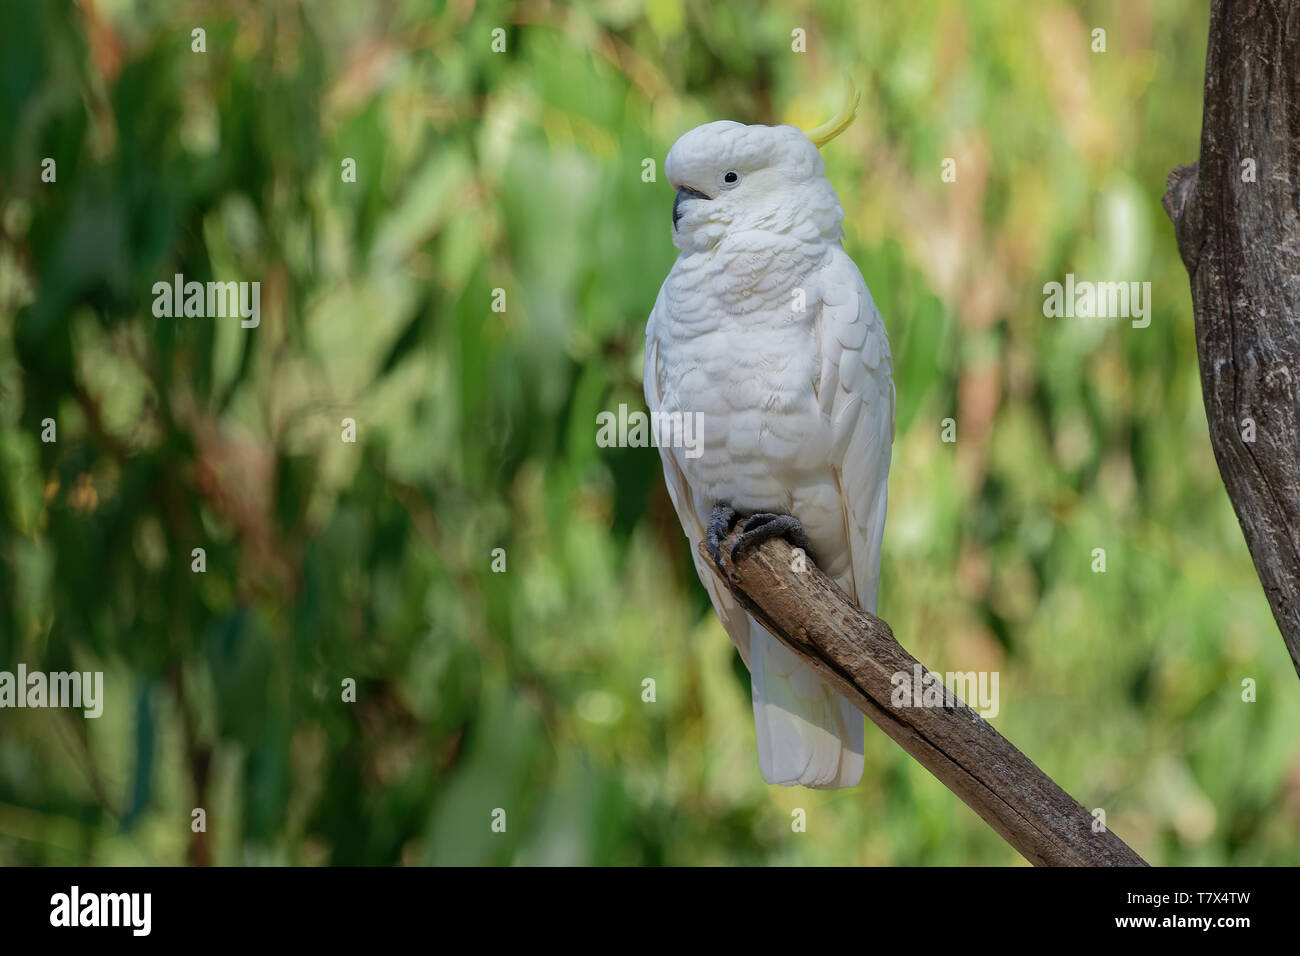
x: 719, y: 525
x: 760, y: 527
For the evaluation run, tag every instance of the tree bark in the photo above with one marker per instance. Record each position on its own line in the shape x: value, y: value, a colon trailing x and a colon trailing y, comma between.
x: 1236, y: 216
x: 856, y: 653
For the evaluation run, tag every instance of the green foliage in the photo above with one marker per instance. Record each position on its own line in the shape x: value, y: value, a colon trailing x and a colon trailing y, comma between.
x: 372, y: 560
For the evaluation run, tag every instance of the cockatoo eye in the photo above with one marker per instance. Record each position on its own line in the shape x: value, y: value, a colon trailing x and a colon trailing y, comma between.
x: 730, y: 178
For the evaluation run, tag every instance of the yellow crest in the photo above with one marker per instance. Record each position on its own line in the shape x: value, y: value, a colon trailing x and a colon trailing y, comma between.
x: 828, y: 131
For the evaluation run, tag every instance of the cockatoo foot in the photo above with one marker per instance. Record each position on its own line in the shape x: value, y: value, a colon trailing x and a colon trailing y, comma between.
x: 761, y: 527
x: 719, y: 525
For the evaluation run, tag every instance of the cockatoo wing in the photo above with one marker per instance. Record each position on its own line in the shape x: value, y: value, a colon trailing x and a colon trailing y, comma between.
x: 855, y: 390
x: 807, y: 732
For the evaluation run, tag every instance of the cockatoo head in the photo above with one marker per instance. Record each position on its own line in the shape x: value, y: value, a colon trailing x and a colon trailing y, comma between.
x: 730, y: 177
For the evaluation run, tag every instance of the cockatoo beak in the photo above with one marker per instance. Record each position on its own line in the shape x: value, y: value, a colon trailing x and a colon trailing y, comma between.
x: 828, y: 131
x: 684, y: 192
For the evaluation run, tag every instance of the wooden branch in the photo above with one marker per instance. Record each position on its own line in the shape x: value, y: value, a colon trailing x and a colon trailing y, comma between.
x: 857, y: 654
x: 1236, y: 216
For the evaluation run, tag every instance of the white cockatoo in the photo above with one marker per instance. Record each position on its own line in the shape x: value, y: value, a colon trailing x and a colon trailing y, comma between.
x: 765, y: 330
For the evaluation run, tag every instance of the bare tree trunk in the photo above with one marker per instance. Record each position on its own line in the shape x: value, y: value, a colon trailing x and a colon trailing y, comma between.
x: 1236, y: 215
x: 856, y: 653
